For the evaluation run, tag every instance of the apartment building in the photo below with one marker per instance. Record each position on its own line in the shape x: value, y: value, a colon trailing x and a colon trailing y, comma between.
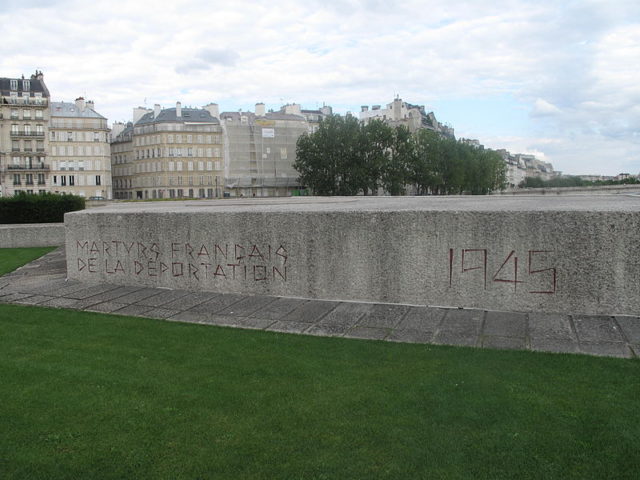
x: 24, y: 119
x: 260, y: 150
x: 79, y: 150
x: 414, y: 117
x: 122, y: 167
x: 169, y: 153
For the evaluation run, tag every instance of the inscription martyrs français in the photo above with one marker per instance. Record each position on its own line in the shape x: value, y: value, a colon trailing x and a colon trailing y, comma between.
x: 201, y: 262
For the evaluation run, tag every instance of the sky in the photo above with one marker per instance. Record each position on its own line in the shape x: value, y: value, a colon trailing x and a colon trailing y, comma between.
x: 560, y: 80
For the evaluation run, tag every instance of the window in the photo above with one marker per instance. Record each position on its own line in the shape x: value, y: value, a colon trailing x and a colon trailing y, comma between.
x: 96, y: 136
x: 72, y: 180
x: 98, y: 180
x: 29, y: 179
x: 14, y: 113
x: 39, y: 114
x: 26, y: 85
x: 41, y: 179
x: 14, y: 129
x: 63, y: 180
x: 69, y: 136
x: 55, y: 180
x: 16, y: 179
x: 26, y: 114
x: 180, y: 193
x: 14, y: 84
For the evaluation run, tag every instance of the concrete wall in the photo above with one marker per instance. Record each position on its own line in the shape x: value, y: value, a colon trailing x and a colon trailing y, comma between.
x: 32, y: 235
x: 551, y: 254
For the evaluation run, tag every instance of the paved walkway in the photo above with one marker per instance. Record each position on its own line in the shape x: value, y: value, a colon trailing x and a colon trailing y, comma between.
x: 43, y: 282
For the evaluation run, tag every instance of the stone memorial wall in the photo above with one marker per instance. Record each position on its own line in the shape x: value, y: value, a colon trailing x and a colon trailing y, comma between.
x: 570, y: 255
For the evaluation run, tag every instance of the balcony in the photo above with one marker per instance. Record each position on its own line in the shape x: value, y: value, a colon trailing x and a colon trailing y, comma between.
x: 38, y: 166
x: 28, y: 101
x: 22, y: 133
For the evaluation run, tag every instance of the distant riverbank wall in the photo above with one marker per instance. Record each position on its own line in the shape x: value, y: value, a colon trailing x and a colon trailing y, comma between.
x: 545, y: 254
x: 599, y: 190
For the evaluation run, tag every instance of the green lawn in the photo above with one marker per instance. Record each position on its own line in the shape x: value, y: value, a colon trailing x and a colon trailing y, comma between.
x: 87, y: 395
x: 12, y: 258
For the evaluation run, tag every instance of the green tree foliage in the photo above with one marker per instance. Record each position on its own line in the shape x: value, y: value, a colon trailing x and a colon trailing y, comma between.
x: 345, y: 157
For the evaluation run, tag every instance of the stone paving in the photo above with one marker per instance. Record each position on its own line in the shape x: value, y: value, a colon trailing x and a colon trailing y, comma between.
x: 43, y: 283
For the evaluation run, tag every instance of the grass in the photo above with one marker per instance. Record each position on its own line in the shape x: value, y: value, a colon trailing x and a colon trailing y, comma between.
x: 12, y: 258
x: 97, y: 396
x: 86, y: 395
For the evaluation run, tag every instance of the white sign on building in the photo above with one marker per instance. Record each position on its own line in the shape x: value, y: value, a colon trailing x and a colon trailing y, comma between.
x: 268, y: 133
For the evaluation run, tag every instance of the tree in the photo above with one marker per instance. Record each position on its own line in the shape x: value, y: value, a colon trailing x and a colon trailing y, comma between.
x: 396, y: 171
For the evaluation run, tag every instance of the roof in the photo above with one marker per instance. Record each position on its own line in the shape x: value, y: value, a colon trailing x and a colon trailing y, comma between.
x: 169, y: 115
x: 64, y: 109
x: 35, y: 85
x: 269, y: 116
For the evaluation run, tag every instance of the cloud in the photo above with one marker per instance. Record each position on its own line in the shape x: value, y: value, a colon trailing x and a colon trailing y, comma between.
x: 207, y: 58
x: 574, y: 65
x: 543, y: 108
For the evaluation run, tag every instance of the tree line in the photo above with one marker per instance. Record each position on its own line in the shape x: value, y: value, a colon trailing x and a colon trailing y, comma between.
x: 346, y: 157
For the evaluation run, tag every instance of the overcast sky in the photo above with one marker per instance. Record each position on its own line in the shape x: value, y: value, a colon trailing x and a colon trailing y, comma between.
x: 562, y: 82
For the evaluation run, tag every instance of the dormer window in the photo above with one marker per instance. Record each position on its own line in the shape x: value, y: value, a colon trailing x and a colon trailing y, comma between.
x: 14, y: 84
x: 26, y: 85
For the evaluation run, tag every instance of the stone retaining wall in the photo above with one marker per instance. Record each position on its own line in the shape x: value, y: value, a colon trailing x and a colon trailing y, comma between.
x: 32, y: 235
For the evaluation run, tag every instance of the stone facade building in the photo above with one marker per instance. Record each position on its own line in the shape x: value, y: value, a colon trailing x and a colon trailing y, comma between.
x: 24, y: 124
x: 169, y: 153
x: 79, y: 150
x: 414, y: 117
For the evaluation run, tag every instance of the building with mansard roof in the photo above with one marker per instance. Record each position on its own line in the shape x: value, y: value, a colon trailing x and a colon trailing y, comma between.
x: 24, y: 124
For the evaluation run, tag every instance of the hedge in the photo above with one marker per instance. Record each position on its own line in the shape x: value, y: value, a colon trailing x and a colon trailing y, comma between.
x: 38, y: 208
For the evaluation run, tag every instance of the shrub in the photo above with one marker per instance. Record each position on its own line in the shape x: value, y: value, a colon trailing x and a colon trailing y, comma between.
x: 38, y: 208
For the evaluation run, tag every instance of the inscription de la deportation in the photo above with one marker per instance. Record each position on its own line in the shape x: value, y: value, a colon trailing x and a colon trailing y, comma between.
x: 201, y: 262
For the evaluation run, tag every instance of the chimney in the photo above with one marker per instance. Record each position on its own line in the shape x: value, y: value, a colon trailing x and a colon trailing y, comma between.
x: 80, y: 104
x: 156, y: 110
x: 178, y: 109
x: 140, y: 112
x: 293, y: 109
x: 116, y: 129
x: 260, y: 109
x: 365, y: 108
x: 91, y: 105
x: 212, y: 108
